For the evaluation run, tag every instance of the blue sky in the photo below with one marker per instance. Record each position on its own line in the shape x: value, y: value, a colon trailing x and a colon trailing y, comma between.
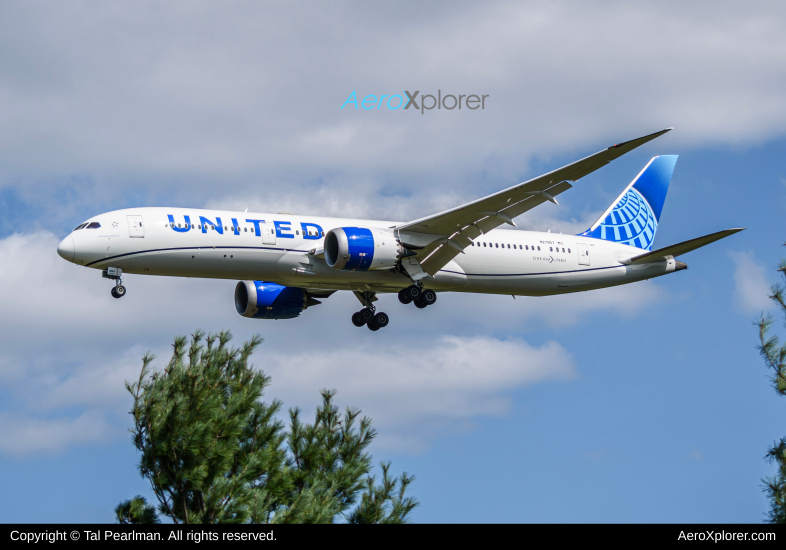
x: 641, y: 403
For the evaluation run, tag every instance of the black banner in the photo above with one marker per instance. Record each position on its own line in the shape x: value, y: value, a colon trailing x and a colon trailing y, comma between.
x: 27, y: 534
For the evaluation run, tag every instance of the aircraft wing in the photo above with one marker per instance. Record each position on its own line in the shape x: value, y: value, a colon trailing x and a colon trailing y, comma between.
x: 461, y: 225
x: 669, y: 252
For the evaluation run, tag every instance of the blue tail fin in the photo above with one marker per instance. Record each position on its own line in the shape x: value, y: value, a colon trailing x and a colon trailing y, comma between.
x: 633, y: 218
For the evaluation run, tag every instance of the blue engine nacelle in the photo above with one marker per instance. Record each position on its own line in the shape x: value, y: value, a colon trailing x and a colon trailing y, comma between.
x: 361, y: 249
x: 263, y: 300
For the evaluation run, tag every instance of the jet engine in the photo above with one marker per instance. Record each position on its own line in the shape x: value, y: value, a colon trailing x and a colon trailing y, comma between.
x: 361, y: 249
x: 264, y: 300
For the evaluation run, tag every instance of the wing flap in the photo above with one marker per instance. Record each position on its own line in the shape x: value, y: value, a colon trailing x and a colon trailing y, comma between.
x: 669, y: 252
x: 439, y: 253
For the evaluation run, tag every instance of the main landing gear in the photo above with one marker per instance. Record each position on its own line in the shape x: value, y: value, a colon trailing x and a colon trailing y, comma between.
x: 422, y: 297
x: 115, y: 273
x: 368, y: 315
x: 374, y: 321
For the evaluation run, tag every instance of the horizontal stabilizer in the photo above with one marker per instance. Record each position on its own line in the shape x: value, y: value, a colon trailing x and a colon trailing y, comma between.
x: 663, y: 254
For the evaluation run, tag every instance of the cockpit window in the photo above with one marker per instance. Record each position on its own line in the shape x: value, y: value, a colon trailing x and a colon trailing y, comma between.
x: 80, y: 227
x: 93, y: 225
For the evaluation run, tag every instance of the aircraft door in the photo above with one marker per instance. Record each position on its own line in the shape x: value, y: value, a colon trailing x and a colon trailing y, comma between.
x: 135, y: 228
x: 268, y: 233
x: 584, y: 255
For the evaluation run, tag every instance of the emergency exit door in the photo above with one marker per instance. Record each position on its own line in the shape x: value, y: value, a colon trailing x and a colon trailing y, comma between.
x: 584, y: 255
x: 268, y: 233
x: 135, y: 228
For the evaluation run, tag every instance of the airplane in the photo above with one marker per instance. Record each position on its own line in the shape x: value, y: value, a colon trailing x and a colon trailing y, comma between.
x: 285, y: 263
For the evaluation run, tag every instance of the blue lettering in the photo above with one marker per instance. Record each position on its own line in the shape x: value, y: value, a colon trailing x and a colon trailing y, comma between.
x: 280, y: 227
x: 351, y: 99
x: 235, y: 227
x: 306, y: 236
x: 257, y: 230
x: 369, y: 98
x: 217, y: 226
x: 400, y: 102
x: 179, y: 229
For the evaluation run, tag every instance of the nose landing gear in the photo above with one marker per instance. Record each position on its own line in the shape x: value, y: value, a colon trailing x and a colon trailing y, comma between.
x: 118, y: 291
x: 115, y: 273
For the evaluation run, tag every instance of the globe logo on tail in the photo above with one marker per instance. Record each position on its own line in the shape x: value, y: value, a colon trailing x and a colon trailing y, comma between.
x: 631, y: 222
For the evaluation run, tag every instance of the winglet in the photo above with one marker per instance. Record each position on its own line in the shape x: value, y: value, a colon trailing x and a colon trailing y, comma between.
x: 640, y: 141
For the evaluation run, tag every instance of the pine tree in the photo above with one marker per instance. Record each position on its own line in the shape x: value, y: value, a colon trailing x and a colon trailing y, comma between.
x: 136, y: 510
x: 215, y: 453
x: 774, y: 356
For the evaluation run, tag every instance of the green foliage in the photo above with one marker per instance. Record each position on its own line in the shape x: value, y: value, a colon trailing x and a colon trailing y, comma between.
x: 774, y: 355
x: 381, y: 503
x: 775, y: 486
x: 215, y: 453
x: 136, y: 510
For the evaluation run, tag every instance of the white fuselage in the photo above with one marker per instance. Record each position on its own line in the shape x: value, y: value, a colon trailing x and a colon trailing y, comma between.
x: 275, y: 248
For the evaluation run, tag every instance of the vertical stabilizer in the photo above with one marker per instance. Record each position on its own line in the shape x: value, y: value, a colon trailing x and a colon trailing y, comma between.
x: 633, y: 218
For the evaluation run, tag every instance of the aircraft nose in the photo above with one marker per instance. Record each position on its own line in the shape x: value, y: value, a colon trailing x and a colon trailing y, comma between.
x: 66, y: 249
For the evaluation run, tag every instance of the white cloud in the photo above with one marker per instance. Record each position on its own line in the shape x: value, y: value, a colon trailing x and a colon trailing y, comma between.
x: 241, y: 93
x: 22, y: 435
x: 414, y: 391
x: 752, y: 287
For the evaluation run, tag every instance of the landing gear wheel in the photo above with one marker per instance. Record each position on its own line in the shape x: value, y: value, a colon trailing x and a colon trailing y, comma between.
x: 428, y: 297
x: 114, y: 294
x: 357, y: 320
x: 420, y: 304
x: 373, y: 326
x: 404, y: 297
x: 120, y: 291
x: 381, y: 320
x: 366, y: 315
x: 412, y: 292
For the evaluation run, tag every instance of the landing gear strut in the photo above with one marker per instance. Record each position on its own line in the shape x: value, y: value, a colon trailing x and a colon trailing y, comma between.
x: 115, y: 273
x: 422, y: 297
